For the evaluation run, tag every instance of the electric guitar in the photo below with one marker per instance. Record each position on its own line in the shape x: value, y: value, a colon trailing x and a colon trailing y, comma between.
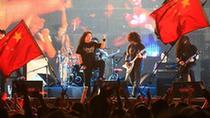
x: 130, y: 65
x: 191, y: 59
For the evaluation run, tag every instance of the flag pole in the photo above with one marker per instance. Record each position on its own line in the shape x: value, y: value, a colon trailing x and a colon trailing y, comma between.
x: 167, y: 52
x: 44, y: 56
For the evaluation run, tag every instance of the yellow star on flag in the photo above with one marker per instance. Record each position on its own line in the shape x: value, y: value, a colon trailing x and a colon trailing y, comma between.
x: 17, y: 36
x: 185, y: 3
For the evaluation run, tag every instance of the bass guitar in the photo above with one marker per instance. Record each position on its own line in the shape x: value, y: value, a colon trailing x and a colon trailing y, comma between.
x: 188, y: 62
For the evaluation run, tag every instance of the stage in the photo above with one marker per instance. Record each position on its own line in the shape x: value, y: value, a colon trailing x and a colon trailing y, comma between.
x: 75, y: 92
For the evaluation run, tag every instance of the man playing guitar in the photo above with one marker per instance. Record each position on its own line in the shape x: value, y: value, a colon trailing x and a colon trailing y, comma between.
x: 186, y: 55
x: 133, y: 56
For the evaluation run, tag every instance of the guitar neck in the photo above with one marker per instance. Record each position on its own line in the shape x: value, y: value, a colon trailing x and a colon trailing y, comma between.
x: 134, y: 59
x: 188, y: 60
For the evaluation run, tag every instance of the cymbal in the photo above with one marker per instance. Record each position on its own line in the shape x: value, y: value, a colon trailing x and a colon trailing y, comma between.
x: 118, y: 69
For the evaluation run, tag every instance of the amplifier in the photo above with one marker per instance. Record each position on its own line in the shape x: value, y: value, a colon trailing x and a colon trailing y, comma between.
x: 166, y: 66
x: 123, y: 89
x: 31, y: 87
x: 165, y: 80
x: 183, y: 89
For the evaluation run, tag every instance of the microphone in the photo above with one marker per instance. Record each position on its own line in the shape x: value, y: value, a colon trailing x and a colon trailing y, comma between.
x: 104, y: 37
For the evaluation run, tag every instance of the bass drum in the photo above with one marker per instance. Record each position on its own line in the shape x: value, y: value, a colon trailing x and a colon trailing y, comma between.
x: 113, y: 77
x: 77, y: 76
x: 76, y: 69
x: 78, y: 80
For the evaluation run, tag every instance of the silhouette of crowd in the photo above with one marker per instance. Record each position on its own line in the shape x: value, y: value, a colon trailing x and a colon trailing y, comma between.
x: 109, y: 103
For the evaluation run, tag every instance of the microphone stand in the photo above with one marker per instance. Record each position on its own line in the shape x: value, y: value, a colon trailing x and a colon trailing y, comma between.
x: 161, y: 60
x: 48, y: 67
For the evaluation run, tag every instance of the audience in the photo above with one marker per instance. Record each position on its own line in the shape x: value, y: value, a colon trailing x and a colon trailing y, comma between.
x: 106, y: 104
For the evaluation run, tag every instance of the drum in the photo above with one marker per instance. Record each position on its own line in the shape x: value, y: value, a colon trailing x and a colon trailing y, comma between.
x: 77, y: 76
x: 78, y: 80
x: 76, y: 69
x: 73, y: 60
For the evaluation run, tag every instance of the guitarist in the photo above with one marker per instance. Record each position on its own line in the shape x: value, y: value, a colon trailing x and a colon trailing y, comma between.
x: 184, y: 52
x: 133, y: 50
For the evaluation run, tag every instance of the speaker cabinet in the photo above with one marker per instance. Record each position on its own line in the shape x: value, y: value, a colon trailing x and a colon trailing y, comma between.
x: 123, y: 88
x: 163, y: 84
x: 183, y: 89
x: 165, y: 80
x: 31, y: 87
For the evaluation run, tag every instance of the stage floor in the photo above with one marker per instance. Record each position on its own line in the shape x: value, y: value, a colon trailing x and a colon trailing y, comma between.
x: 75, y: 92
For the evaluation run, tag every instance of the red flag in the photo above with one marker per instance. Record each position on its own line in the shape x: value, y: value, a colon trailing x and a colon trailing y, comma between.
x: 17, y: 48
x: 178, y: 17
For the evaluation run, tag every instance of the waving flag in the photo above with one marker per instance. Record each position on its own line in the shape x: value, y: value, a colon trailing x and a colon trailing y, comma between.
x: 17, y: 48
x: 178, y: 17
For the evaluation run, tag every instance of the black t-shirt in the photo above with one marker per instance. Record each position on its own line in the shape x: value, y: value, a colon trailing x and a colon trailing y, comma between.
x: 87, y: 52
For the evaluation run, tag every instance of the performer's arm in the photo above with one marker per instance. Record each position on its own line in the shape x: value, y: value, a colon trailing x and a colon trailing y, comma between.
x: 79, y: 52
x: 179, y: 56
x: 141, y: 55
x: 179, y: 61
x: 80, y: 59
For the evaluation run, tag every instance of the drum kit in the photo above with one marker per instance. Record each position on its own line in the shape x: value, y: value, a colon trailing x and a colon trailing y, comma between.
x: 69, y: 68
x: 114, y: 75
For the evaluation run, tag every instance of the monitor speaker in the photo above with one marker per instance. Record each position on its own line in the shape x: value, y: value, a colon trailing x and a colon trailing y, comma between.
x: 163, y: 84
x: 123, y: 89
x: 31, y: 87
x: 183, y: 89
x: 164, y: 81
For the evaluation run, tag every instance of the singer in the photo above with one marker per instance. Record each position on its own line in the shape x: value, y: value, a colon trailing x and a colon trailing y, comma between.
x: 86, y: 51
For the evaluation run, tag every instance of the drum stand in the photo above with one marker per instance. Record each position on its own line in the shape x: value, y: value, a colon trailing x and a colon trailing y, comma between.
x: 115, y: 76
x: 75, y: 78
